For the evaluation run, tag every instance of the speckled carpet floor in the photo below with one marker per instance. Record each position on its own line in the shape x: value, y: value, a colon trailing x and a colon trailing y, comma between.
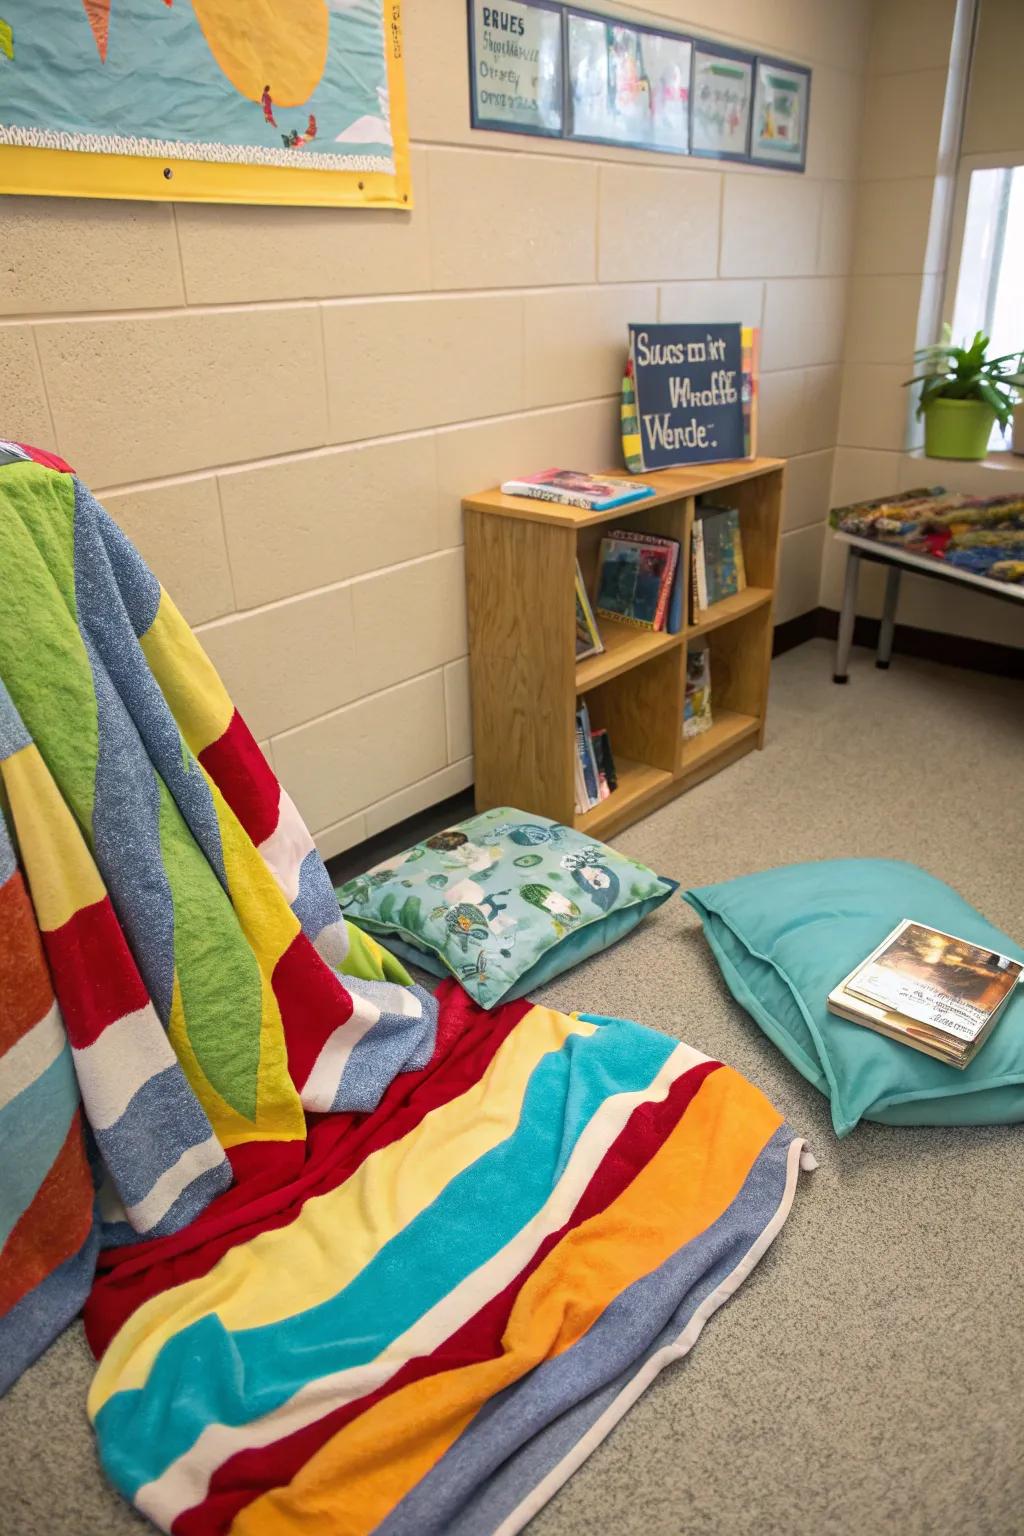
x: 869, y: 1377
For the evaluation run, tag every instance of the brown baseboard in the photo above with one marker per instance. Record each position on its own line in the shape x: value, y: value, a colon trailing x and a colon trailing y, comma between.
x: 927, y: 644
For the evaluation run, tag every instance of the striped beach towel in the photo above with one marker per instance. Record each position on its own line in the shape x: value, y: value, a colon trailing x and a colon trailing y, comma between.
x: 360, y: 1259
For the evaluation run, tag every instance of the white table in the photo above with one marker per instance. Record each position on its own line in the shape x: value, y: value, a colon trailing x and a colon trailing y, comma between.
x: 898, y: 560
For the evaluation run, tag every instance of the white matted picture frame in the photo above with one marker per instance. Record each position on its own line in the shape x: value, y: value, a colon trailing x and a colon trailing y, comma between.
x: 516, y: 67
x: 721, y: 94
x: 627, y: 83
x: 781, y: 114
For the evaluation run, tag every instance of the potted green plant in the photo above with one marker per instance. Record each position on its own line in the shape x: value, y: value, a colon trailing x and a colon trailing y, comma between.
x: 963, y: 393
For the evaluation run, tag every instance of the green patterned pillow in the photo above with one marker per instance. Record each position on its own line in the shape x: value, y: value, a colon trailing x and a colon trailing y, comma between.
x: 503, y: 902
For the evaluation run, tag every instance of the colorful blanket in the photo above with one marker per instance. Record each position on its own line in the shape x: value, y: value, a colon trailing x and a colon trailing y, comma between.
x: 360, y: 1259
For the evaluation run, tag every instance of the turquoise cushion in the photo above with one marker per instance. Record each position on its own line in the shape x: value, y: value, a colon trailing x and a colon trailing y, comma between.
x: 785, y: 937
x: 503, y: 902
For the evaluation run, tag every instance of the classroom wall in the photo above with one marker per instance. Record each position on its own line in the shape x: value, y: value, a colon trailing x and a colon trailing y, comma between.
x: 284, y: 406
x: 917, y: 58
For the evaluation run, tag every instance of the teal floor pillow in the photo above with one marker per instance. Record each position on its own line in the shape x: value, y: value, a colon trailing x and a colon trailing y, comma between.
x: 503, y: 902
x: 785, y: 937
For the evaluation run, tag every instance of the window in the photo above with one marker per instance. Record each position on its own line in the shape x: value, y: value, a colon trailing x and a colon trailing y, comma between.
x: 990, y: 281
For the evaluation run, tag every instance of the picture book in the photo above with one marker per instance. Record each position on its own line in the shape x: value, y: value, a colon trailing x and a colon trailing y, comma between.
x: 929, y: 990
x: 605, y: 762
x: 588, y: 779
x: 588, y: 636
x: 635, y: 572
x: 697, y: 702
x: 574, y: 488
x: 698, y: 569
x: 689, y: 395
x: 722, y: 547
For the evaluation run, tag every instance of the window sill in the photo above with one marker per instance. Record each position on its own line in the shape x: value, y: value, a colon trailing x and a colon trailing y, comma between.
x: 1014, y: 462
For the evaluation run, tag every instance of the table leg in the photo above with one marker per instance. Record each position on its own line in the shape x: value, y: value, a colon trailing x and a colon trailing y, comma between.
x: 846, y: 617
x: 892, y: 592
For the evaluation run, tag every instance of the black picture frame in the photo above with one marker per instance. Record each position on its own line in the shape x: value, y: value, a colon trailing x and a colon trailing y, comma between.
x: 737, y: 55
x: 500, y: 125
x: 769, y: 61
x: 568, y: 109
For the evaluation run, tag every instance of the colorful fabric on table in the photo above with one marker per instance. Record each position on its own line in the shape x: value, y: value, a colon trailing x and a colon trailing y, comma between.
x: 983, y: 535
x: 187, y: 920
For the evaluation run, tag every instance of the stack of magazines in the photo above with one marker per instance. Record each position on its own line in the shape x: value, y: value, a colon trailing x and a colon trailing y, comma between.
x: 929, y: 990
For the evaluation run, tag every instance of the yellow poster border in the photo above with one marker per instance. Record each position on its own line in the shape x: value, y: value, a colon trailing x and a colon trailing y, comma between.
x: 80, y: 173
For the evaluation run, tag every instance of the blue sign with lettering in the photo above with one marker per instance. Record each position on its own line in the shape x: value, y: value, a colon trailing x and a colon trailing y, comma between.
x: 692, y: 402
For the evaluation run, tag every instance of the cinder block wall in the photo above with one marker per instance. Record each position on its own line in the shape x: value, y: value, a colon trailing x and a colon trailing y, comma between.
x: 284, y: 406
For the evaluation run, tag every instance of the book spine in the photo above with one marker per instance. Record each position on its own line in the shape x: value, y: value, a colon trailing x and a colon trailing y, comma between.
x: 589, y: 763
x: 700, y: 566
x: 665, y: 589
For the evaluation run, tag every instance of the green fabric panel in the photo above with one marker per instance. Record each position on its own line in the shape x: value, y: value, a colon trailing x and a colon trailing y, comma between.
x: 42, y: 655
x: 368, y: 960
x: 217, y: 971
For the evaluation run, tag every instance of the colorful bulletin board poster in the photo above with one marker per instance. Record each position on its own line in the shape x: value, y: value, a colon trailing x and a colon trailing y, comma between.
x: 688, y: 383
x: 781, y: 99
x: 628, y: 84
x: 247, y: 101
x: 515, y: 66
x: 722, y: 88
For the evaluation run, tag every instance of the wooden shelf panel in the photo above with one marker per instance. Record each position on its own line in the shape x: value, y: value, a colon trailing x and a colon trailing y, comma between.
x: 624, y: 647
x: 637, y: 781
x: 729, y: 608
x: 670, y: 485
x: 727, y: 728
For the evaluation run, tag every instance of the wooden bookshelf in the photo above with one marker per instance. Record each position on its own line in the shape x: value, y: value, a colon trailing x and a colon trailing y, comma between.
x: 520, y: 568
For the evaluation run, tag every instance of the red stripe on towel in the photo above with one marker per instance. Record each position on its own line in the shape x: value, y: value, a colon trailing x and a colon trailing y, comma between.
x: 245, y: 779
x: 91, y: 994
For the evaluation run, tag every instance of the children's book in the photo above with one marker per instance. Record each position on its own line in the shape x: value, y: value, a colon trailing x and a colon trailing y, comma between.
x: 605, y: 761
x: 697, y: 703
x: 698, y: 573
x: 574, y: 488
x: 588, y: 636
x: 929, y: 990
x: 722, y: 545
x: 634, y: 583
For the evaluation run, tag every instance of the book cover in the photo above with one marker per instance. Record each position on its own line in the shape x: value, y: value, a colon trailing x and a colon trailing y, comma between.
x: 632, y: 574
x: 575, y: 488
x: 697, y: 700
x: 723, y: 553
x: 688, y: 386
x: 606, y: 762
x: 937, y: 980
x: 658, y: 541
x: 588, y: 636
x: 584, y: 800
x: 586, y: 747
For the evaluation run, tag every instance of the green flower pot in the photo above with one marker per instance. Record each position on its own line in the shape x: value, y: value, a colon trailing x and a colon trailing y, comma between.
x: 957, y: 429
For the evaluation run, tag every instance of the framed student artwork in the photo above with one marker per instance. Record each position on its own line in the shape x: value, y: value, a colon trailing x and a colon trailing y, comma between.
x: 720, y: 98
x: 782, y: 97
x: 628, y: 84
x: 515, y: 65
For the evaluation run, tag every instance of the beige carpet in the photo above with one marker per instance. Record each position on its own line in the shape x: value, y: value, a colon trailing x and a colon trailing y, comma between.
x: 870, y: 1376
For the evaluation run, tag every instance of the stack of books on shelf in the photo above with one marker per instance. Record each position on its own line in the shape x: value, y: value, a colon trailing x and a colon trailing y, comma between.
x: 929, y: 990
x: 697, y: 703
x: 576, y: 488
x: 638, y: 581
x: 716, y: 556
x: 595, y: 767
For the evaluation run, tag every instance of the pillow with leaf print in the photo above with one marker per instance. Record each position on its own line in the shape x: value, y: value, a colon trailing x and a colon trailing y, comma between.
x: 503, y: 902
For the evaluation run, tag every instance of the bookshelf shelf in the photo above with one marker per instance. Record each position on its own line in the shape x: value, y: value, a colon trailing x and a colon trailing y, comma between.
x: 638, y: 782
x: 728, y: 609
x: 728, y: 727
x: 624, y: 647
x: 520, y: 566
